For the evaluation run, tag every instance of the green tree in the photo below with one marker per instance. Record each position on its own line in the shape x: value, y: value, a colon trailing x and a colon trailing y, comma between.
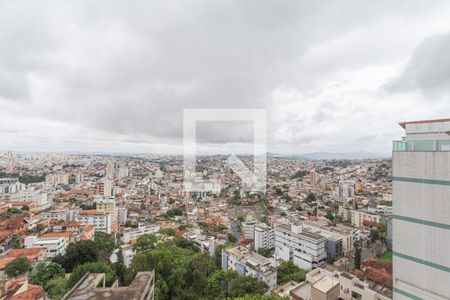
x: 310, y: 198
x: 167, y: 231
x: 246, y: 285
x: 14, y: 211
x: 287, y: 271
x: 16, y: 244
x: 374, y: 235
x: 17, y: 267
x: 232, y: 238
x: 146, y: 242
x: 57, y: 288
x: 119, y: 267
x: 104, y: 244
x: 200, y: 267
x: 93, y: 267
x: 43, y: 273
x: 78, y: 253
x: 264, y: 252
x: 186, y: 244
x: 228, y: 284
x: 358, y: 258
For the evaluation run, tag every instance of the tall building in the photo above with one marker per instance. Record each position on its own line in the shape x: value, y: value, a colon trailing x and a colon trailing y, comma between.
x: 421, y: 219
x: 264, y: 236
x: 107, y: 205
x: 110, y: 170
x: 304, y: 248
x: 105, y: 187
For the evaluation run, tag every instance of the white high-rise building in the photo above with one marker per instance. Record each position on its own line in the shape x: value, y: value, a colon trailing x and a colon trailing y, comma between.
x: 122, y: 215
x: 123, y: 172
x: 264, y: 236
x: 421, y: 219
x: 304, y: 248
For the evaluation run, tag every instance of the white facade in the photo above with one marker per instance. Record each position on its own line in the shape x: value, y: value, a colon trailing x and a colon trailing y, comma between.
x: 305, y: 249
x: 248, y: 228
x: 421, y: 224
x: 39, y: 198
x: 100, y: 220
x: 133, y: 234
x: 61, y: 215
x: 264, y: 236
x: 53, y: 246
x: 247, y: 263
x: 122, y: 215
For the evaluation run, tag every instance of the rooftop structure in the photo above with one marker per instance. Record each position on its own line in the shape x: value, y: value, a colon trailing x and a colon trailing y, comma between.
x: 141, y: 288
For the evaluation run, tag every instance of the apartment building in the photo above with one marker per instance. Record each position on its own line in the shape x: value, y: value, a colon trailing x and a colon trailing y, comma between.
x: 101, y: 220
x: 105, y: 187
x: 52, y: 245
x: 107, y: 205
x: 324, y: 284
x: 122, y: 215
x: 248, y: 228
x: 130, y: 234
x: 264, y: 236
x: 304, y: 248
x: 421, y: 224
x: 247, y: 263
x: 61, y: 214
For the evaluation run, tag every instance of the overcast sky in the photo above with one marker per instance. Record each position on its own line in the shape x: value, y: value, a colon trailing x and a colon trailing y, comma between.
x: 114, y: 76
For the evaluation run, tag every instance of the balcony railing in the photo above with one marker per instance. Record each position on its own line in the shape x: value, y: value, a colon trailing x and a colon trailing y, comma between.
x: 421, y: 146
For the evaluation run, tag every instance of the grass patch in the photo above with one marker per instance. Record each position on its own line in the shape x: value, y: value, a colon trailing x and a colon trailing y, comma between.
x: 386, y: 256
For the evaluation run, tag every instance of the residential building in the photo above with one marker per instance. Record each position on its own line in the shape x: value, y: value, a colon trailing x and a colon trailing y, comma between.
x: 122, y: 215
x: 247, y: 263
x: 105, y: 187
x: 52, y: 245
x: 61, y: 214
x: 248, y: 228
x: 323, y: 284
x: 264, y: 236
x: 55, y: 179
x: 304, y: 248
x: 107, y: 205
x: 101, y: 220
x: 130, y: 234
x: 421, y: 225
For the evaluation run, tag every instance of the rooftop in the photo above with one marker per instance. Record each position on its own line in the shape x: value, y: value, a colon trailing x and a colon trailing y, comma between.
x: 86, y: 288
x: 403, y: 124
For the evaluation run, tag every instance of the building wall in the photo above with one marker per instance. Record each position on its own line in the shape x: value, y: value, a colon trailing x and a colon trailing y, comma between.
x: 421, y: 224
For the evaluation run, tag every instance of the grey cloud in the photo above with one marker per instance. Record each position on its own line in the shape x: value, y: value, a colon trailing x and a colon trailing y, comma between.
x: 428, y: 70
x: 129, y: 69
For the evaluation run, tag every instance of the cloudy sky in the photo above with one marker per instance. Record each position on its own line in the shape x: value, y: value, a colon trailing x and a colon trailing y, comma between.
x: 115, y: 76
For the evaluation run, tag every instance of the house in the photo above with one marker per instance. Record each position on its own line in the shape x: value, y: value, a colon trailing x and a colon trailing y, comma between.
x: 32, y: 254
x: 20, y: 289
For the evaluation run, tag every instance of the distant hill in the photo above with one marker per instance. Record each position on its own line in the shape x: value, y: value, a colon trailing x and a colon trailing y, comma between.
x: 331, y: 155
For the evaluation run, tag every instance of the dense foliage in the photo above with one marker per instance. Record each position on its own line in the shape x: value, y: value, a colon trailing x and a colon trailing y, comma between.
x: 287, y: 271
x: 17, y: 267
